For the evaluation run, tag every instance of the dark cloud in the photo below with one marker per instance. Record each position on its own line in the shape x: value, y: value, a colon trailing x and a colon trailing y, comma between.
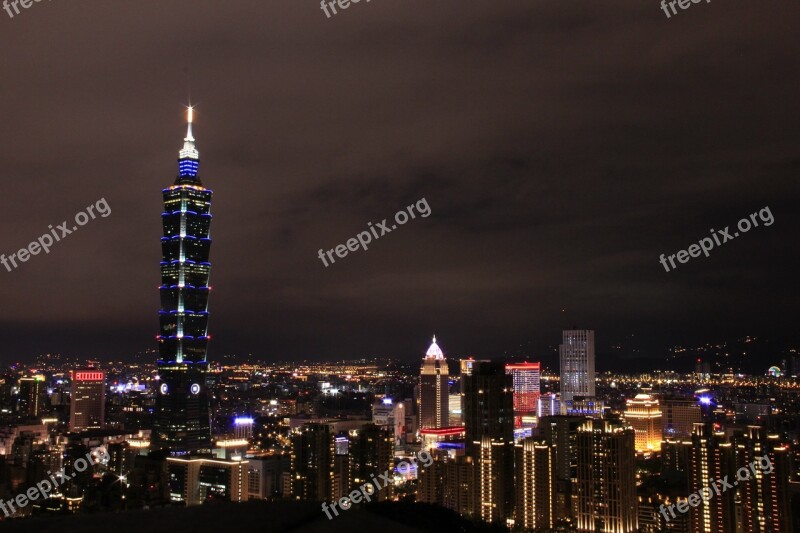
x: 562, y: 147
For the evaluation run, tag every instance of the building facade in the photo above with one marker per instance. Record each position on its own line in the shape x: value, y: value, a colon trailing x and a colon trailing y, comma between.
x: 535, y: 468
x: 87, y: 400
x: 525, y: 379
x: 489, y: 434
x: 434, y: 395
x: 606, y: 478
x: 577, y: 364
x: 643, y: 413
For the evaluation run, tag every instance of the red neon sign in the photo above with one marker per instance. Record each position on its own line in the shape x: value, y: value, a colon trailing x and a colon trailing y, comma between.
x: 89, y: 376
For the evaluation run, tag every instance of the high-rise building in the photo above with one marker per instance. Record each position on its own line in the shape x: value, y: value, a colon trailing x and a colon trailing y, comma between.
x: 87, y: 400
x: 371, y: 451
x: 489, y: 427
x: 577, y: 364
x: 560, y: 432
x: 606, y: 478
x: 535, y: 468
x: 31, y: 400
x: 644, y: 415
x: 312, y: 463
x: 711, y: 458
x: 765, y: 497
x: 182, y: 422
x: 525, y: 379
x: 679, y: 415
x: 434, y: 402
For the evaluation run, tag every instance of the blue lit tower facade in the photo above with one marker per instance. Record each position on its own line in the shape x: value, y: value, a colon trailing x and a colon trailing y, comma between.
x: 182, y: 422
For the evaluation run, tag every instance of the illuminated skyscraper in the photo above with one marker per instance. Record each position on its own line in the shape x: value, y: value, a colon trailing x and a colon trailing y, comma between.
x: 711, y: 458
x: 577, y: 364
x: 434, y: 401
x: 525, y: 378
x: 536, y: 485
x: 87, y: 400
x: 644, y: 415
x: 765, y: 496
x: 606, y: 478
x: 489, y: 424
x: 182, y: 421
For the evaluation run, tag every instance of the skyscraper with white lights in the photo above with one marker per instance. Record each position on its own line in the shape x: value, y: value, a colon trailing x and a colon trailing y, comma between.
x: 434, y: 397
x: 577, y: 364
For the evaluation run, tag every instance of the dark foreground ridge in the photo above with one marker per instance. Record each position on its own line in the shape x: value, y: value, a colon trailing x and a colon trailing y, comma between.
x: 254, y: 516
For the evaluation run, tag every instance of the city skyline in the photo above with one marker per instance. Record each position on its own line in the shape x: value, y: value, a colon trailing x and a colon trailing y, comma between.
x: 585, y: 325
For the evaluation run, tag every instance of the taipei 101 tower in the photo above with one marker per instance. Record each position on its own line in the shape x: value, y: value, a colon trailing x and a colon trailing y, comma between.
x: 182, y: 424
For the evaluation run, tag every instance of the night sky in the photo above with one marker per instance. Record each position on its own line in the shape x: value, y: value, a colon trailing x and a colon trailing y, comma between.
x: 561, y: 146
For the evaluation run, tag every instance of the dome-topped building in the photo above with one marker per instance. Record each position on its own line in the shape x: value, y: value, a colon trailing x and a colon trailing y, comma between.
x: 433, y: 389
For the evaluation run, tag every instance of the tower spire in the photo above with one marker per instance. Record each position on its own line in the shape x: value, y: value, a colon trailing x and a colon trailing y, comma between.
x: 188, y: 157
x: 190, y: 113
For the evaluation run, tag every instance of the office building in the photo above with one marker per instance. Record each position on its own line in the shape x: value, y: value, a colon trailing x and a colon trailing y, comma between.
x: 606, y: 478
x: 644, y: 416
x: 577, y: 364
x: 87, y: 400
x: 182, y: 423
x: 525, y: 379
x: 679, y: 415
x: 434, y: 393
x: 31, y: 401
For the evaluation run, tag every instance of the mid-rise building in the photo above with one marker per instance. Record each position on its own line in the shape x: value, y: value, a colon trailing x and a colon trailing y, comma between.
x: 87, y: 400
x: 31, y: 401
x: 577, y: 364
x: 194, y: 481
x: 525, y: 380
x: 644, y: 415
x: 679, y: 415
